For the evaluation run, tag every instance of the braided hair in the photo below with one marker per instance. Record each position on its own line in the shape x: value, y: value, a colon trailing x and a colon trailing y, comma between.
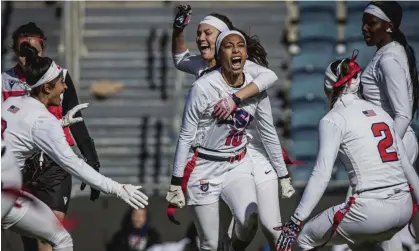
x: 394, y: 12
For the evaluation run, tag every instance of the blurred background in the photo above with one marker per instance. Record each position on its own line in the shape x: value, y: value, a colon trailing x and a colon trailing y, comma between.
x: 119, y: 56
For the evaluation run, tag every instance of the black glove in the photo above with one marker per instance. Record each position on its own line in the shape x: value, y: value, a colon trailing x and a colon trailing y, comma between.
x: 88, y: 150
x: 183, y: 17
x: 289, y: 233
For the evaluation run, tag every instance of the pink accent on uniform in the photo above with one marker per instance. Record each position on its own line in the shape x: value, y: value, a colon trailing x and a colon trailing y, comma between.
x: 353, y: 69
x: 190, y: 166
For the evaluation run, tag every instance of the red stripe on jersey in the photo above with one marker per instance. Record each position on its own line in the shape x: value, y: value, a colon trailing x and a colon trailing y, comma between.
x: 9, y: 94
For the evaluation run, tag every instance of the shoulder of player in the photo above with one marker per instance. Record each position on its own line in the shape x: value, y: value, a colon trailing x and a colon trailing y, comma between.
x: 209, y: 78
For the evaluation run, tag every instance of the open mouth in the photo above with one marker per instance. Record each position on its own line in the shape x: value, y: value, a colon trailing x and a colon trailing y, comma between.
x: 204, y: 48
x: 367, y: 38
x: 236, y: 62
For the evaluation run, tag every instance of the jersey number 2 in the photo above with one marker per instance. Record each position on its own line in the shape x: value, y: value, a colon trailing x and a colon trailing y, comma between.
x: 386, y: 142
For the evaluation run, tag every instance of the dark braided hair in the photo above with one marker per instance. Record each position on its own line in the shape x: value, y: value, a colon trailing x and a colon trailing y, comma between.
x: 394, y: 12
x: 28, y: 30
x: 36, y: 66
x: 336, y: 92
x: 255, y: 50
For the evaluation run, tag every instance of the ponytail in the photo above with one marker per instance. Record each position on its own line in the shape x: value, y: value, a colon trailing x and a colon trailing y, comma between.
x: 398, y: 36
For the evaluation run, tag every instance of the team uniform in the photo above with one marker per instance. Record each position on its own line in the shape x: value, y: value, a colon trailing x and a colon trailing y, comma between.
x: 53, y: 185
x: 386, y: 83
x: 267, y: 156
x: 26, y: 215
x: 364, y: 136
x: 222, y: 167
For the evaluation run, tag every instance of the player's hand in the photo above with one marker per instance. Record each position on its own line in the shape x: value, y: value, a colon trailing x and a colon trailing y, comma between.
x: 224, y: 108
x: 132, y: 195
x: 69, y: 119
x: 289, y: 233
x: 287, y: 190
x: 183, y: 17
x: 175, y: 196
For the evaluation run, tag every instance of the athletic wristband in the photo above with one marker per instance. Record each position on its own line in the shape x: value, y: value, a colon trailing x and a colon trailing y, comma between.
x: 285, y: 177
x: 297, y: 222
x: 236, y: 99
x: 176, y: 181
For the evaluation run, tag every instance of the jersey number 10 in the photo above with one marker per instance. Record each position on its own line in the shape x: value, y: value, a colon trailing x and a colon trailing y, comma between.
x: 385, y: 143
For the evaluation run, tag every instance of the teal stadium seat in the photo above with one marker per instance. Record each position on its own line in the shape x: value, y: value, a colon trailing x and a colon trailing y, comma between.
x: 307, y: 112
x: 307, y: 85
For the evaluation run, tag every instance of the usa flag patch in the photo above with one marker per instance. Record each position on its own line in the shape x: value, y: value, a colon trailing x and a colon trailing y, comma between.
x: 369, y: 113
x: 13, y: 109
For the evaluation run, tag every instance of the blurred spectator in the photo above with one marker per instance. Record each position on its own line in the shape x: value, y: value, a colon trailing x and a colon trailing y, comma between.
x: 190, y: 243
x: 135, y: 233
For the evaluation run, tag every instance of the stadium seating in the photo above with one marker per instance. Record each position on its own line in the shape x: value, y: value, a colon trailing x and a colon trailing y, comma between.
x: 307, y: 85
x: 307, y: 112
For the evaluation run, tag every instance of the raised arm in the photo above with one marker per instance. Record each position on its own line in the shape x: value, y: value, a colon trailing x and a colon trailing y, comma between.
x: 396, y: 86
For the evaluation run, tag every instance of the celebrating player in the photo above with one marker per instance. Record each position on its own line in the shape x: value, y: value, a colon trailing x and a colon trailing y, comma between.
x: 53, y: 185
x: 378, y: 167
x: 220, y: 165
x: 268, y: 164
x: 37, y: 214
x: 29, y: 127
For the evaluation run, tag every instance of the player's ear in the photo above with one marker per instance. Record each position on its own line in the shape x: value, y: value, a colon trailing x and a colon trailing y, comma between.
x: 47, y: 88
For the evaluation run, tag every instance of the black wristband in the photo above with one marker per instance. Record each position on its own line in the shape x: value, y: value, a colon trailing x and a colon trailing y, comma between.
x: 236, y: 99
x: 176, y: 181
x: 284, y: 177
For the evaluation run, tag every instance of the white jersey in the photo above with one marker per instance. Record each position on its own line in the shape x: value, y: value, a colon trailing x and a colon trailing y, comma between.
x: 264, y: 78
x: 386, y: 82
x: 196, y: 65
x: 12, y: 83
x: 201, y: 129
x: 365, y: 138
x: 30, y: 128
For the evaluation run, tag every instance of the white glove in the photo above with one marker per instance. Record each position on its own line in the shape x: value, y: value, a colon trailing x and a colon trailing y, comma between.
x: 286, y: 188
x: 69, y: 119
x: 175, y: 196
x: 132, y: 196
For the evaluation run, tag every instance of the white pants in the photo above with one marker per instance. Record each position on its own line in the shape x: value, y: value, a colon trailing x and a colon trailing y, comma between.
x: 403, y: 237
x: 35, y: 219
x: 234, y: 183
x: 372, y: 219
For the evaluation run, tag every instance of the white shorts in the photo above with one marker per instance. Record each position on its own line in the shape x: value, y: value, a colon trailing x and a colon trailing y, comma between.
x: 208, y: 179
x: 262, y: 167
x: 374, y: 217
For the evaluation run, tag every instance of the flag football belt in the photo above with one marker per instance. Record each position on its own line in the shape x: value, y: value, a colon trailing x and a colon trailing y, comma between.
x: 212, y: 155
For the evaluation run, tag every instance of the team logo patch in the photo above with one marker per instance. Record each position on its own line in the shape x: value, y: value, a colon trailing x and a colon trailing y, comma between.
x: 204, y: 185
x: 13, y: 109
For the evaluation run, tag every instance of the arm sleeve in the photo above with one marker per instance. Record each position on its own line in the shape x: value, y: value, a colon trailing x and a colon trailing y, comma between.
x: 196, y: 103
x: 397, y: 88
x: 267, y: 131
x: 48, y: 135
x: 408, y: 169
x: 330, y: 137
x: 262, y: 76
x: 188, y: 63
x: 78, y: 130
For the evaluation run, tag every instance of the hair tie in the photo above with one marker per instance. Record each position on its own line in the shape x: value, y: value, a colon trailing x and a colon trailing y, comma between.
x: 353, y: 69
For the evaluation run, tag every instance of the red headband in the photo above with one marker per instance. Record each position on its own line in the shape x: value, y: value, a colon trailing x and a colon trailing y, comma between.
x: 353, y: 69
x: 31, y: 38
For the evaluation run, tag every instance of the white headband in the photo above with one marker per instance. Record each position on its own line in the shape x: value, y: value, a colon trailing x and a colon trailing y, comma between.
x: 51, y: 74
x: 223, y: 35
x: 217, y: 23
x: 375, y: 11
x: 330, y: 79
